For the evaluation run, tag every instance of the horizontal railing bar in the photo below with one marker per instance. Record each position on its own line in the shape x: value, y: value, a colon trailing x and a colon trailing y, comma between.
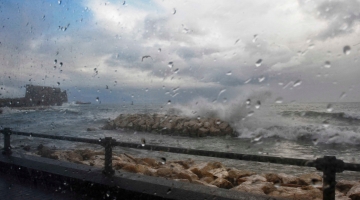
x: 235, y: 156
x: 66, y: 138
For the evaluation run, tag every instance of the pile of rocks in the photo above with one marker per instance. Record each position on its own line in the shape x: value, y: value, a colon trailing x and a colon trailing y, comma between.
x: 214, y: 174
x: 171, y: 125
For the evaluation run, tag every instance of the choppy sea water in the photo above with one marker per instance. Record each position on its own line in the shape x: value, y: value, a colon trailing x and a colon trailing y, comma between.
x: 298, y: 130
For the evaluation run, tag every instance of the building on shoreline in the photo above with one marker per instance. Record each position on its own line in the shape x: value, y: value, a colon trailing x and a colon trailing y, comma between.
x: 37, y: 96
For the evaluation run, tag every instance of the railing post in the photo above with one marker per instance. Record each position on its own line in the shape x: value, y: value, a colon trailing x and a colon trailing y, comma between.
x: 107, y: 143
x: 7, y: 147
x: 329, y: 165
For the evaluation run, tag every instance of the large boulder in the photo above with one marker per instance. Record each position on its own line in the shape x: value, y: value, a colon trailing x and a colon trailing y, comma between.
x: 308, y: 193
x: 311, y: 178
x: 344, y: 186
x: 354, y: 192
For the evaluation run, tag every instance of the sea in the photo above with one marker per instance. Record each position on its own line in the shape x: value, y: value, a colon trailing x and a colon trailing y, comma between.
x: 293, y: 130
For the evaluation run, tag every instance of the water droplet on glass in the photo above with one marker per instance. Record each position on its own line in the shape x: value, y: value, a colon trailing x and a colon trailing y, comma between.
x: 54, y: 67
x: 176, y: 70
x: 248, y: 102
x: 326, y: 123
x: 55, y: 61
x: 343, y: 95
x: 315, y: 141
x: 159, y: 50
x: 255, y: 38
x: 248, y: 81
x: 169, y: 102
x: 58, y: 83
x: 174, y: 11
x: 59, y: 2
x: 329, y: 108
x: 261, y: 79
x: 258, y: 138
x: 327, y: 64
x: 61, y: 64
x: 97, y: 99
x: 146, y: 89
x: 278, y: 100
x: 258, y: 104
x: 229, y: 73
x: 258, y: 63
x: 250, y: 113
x: 171, y: 65
x: 143, y: 142
x: 297, y: 83
x: 346, y: 50
x: 311, y: 46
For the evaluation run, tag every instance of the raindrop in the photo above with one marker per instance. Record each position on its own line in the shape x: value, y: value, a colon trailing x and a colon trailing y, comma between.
x: 55, y: 61
x: 159, y: 50
x: 257, y: 138
x: 143, y: 142
x: 311, y: 46
x: 325, y: 123
x: 124, y: 3
x: 278, y: 100
x: 58, y: 83
x: 174, y: 11
x: 163, y: 160
x: 250, y: 113
x: 54, y: 67
x: 169, y: 102
x: 329, y: 108
x: 248, y: 102
x: 147, y: 89
x: 107, y: 87
x: 261, y: 79
x: 169, y: 191
x: 59, y: 2
x: 327, y: 64
x: 343, y: 94
x: 218, y: 122
x: 258, y: 104
x: 255, y: 38
x: 61, y: 64
x: 258, y: 63
x: 176, y: 70
x: 108, y: 194
x: 171, y: 65
x: 346, y: 50
x: 97, y: 99
x: 248, y: 81
x: 297, y: 83
x: 315, y: 141
x: 229, y: 73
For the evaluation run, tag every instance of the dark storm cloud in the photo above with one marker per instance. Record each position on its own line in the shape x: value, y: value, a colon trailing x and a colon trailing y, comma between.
x: 341, y: 17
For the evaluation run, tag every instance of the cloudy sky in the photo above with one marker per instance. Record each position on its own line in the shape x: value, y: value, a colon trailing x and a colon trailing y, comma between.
x: 154, y: 51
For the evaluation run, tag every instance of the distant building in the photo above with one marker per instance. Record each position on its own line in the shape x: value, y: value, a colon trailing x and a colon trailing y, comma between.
x: 37, y: 96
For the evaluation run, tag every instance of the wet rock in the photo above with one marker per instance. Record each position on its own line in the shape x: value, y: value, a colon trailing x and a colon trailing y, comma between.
x: 46, y: 152
x: 311, y: 178
x: 341, y: 196
x: 203, y: 183
x: 164, y: 172
x: 186, y: 174
x: 207, y: 179
x: 202, y: 169
x: 309, y: 193
x: 135, y: 168
x: 254, y: 178
x: 235, y: 173
x: 248, y: 188
x: 149, y: 162
x: 344, y: 186
x: 26, y: 148
x: 290, y: 179
x: 354, y: 192
x: 222, y: 183
x: 274, y: 178
x: 219, y: 172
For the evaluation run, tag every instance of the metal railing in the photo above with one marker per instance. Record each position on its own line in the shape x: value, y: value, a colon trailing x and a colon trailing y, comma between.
x: 329, y: 165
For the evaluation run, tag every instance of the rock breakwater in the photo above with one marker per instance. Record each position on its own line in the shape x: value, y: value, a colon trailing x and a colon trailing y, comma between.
x: 171, y: 124
x: 212, y: 174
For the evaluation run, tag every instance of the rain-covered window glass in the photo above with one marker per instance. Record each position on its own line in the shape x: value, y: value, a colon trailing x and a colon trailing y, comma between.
x: 265, y: 78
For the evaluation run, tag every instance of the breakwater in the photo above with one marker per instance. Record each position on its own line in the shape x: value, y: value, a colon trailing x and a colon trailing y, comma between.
x: 171, y: 124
